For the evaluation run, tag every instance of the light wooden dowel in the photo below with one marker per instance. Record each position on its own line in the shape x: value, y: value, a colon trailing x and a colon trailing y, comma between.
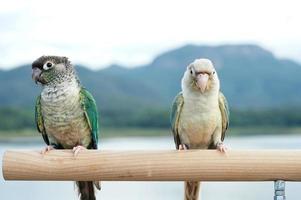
x: 205, y: 165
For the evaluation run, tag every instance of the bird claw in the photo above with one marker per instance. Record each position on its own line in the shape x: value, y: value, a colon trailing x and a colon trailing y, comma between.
x: 221, y: 147
x: 182, y: 147
x: 46, y: 149
x: 77, y: 149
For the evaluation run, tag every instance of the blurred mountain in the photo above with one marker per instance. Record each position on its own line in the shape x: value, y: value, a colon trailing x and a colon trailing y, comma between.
x: 251, y: 77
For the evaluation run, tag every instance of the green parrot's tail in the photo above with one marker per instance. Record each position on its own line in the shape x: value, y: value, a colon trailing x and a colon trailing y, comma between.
x: 86, y: 190
x: 192, y: 190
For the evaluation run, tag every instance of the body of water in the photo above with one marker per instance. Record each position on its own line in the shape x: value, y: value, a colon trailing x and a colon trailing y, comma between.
x: 36, y: 190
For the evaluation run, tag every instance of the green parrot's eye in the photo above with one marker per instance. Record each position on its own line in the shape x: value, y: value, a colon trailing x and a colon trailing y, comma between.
x: 47, y: 65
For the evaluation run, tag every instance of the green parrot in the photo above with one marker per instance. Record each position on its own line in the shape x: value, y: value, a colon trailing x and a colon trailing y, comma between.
x: 65, y: 112
x: 200, y: 114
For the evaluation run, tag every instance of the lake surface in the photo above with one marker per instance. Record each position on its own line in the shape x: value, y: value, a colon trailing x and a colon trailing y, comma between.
x: 25, y: 190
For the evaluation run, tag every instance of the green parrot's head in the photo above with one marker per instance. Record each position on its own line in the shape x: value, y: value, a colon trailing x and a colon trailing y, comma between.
x: 200, y: 76
x: 52, y: 70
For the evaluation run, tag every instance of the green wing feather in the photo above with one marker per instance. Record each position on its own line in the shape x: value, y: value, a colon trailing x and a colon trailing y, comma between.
x: 39, y: 120
x: 91, y: 114
x: 175, y: 116
x: 223, y: 106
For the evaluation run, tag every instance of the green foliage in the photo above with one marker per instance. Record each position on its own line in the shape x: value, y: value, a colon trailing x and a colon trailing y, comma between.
x: 268, y: 117
x: 16, y: 118
x: 146, y: 118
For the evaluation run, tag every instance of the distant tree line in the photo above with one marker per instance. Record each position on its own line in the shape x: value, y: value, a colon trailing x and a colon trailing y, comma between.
x: 266, y: 117
x: 12, y: 118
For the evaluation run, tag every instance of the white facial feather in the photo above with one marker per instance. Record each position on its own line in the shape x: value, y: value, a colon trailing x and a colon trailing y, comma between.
x: 202, y: 65
x: 188, y: 80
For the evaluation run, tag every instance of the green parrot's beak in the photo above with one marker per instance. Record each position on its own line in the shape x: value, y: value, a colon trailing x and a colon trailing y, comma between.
x: 201, y: 81
x: 36, y: 75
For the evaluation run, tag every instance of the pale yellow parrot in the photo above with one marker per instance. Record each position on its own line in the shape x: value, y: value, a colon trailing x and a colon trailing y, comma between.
x: 200, y: 115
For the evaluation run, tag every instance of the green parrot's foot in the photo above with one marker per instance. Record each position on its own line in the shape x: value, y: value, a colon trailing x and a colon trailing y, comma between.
x: 48, y: 148
x: 182, y: 147
x: 77, y: 149
x: 221, y: 147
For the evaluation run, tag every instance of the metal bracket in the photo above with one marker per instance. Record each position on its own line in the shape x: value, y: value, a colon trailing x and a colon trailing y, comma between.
x: 279, y: 187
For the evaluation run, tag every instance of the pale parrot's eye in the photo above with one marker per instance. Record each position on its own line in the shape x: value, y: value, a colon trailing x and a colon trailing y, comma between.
x: 213, y: 72
x: 191, y: 72
x: 47, y: 65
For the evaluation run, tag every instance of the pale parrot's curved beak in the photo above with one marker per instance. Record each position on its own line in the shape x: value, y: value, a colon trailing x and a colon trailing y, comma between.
x: 201, y: 81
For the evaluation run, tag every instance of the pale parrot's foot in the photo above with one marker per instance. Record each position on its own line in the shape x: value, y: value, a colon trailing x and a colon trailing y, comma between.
x: 182, y: 147
x: 46, y: 149
x: 221, y: 147
x: 77, y: 149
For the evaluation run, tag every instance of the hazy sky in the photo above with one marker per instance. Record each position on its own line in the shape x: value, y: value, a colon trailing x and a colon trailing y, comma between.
x: 132, y: 32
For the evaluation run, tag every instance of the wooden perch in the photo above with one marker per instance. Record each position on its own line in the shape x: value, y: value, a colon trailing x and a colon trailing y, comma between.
x: 163, y: 165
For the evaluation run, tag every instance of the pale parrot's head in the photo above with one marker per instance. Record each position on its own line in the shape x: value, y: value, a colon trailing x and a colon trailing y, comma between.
x: 200, y: 76
x: 51, y: 70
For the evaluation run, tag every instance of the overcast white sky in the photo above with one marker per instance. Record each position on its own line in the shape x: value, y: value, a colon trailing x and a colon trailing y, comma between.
x: 132, y: 32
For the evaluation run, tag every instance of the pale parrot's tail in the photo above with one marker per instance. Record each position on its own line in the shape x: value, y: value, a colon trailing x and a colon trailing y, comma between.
x: 192, y: 190
x: 86, y: 190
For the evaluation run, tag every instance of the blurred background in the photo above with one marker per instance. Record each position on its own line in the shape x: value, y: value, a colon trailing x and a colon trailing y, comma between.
x: 132, y: 54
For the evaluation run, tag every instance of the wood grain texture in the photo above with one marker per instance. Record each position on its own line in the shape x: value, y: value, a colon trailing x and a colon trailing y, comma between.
x: 165, y: 165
